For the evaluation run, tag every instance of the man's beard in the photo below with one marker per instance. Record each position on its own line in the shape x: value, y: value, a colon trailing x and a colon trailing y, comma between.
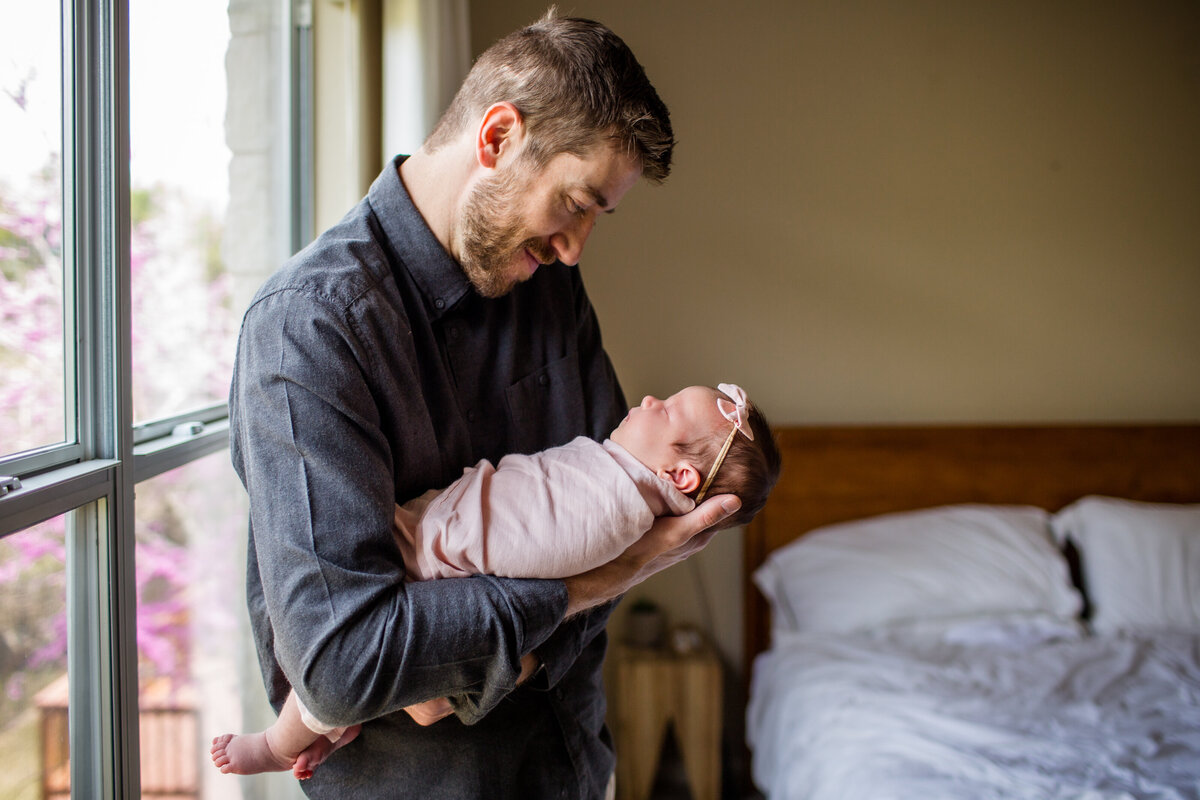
x: 491, y: 233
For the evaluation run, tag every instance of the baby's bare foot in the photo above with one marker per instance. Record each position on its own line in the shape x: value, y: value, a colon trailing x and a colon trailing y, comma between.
x: 313, y: 755
x: 246, y: 754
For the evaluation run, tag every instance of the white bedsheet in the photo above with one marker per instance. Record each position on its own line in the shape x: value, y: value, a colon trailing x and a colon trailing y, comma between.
x: 874, y: 718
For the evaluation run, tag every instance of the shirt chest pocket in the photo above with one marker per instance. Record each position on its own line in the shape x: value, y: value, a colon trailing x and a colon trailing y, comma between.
x: 547, y: 407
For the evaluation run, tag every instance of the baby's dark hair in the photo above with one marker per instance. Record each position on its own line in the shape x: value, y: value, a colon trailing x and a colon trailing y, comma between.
x: 749, y: 470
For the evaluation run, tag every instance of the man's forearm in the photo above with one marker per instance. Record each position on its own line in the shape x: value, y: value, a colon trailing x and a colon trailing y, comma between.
x: 414, y: 663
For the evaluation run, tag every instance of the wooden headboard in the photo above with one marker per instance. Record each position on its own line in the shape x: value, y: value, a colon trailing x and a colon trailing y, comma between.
x: 837, y: 474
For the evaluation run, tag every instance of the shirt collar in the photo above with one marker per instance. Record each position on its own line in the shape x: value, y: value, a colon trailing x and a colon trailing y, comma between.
x: 437, y: 275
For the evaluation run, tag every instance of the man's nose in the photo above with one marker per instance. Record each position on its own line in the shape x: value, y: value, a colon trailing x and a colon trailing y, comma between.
x: 568, y: 243
x: 650, y: 401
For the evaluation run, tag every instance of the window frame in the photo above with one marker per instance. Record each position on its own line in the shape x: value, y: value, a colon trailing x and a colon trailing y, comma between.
x: 91, y: 477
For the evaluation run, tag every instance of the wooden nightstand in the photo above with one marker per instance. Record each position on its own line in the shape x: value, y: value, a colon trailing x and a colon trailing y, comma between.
x: 656, y: 688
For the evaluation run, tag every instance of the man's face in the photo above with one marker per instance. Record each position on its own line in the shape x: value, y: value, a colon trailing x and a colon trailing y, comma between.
x: 516, y: 219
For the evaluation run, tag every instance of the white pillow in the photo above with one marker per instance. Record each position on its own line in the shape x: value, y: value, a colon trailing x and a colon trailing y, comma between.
x: 952, y: 561
x: 1141, y: 561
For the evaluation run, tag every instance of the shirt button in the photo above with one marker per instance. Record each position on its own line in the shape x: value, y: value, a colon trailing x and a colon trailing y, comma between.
x: 453, y: 333
x: 543, y: 380
x: 471, y: 415
x: 439, y: 303
x: 560, y: 693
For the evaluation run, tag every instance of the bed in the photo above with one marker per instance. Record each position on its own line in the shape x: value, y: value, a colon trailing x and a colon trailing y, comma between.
x: 977, y: 612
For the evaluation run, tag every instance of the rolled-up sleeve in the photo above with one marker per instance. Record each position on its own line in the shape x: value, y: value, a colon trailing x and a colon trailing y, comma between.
x: 318, y: 466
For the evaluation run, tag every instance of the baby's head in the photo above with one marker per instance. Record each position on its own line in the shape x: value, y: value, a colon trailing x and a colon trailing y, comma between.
x: 681, y: 438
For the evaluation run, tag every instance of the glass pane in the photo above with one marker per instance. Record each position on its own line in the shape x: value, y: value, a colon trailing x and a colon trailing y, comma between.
x: 33, y: 663
x: 32, y: 372
x: 209, y: 205
x: 179, y: 176
x: 197, y: 667
x: 179, y: 189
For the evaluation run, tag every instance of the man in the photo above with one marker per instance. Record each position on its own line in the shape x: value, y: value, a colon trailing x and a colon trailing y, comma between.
x: 440, y: 322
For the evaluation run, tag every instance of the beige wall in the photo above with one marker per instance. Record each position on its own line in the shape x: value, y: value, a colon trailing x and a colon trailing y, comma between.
x: 912, y: 210
x: 907, y: 211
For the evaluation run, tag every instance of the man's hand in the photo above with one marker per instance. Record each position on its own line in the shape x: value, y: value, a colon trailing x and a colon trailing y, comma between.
x: 430, y: 711
x: 529, y: 665
x: 439, y: 708
x: 669, y: 541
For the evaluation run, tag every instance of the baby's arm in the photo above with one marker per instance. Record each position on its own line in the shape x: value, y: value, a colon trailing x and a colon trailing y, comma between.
x: 289, y: 744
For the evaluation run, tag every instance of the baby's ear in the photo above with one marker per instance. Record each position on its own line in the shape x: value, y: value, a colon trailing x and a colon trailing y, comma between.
x: 683, y: 476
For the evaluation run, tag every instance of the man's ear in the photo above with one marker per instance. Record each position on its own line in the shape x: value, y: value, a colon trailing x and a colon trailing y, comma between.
x: 501, y: 133
x: 683, y: 475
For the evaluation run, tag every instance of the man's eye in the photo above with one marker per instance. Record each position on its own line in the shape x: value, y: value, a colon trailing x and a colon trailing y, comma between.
x: 574, y: 207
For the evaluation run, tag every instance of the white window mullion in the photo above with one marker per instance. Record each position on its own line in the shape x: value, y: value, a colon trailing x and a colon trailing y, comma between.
x: 102, y: 611
x: 88, y: 704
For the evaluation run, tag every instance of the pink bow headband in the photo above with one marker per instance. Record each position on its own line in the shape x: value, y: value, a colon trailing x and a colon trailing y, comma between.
x: 736, y: 411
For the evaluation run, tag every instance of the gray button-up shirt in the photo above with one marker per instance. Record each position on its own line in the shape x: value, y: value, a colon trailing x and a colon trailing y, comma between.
x: 369, y: 371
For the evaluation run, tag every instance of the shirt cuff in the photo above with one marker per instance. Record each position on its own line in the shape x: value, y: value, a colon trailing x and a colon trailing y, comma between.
x: 540, y: 605
x: 559, y: 652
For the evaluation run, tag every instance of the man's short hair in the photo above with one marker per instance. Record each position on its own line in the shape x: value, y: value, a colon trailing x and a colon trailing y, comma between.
x: 576, y: 84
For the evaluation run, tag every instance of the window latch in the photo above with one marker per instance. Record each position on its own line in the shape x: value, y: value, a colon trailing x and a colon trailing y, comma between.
x: 190, y: 428
x: 9, y: 483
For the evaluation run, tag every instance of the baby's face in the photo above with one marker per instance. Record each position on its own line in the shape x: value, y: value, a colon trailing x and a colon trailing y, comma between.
x: 650, y: 430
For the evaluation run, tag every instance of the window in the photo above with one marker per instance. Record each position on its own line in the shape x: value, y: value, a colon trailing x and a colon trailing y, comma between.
x: 147, y: 186
x: 33, y: 368
x: 197, y: 673
x: 33, y: 669
x: 183, y: 321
